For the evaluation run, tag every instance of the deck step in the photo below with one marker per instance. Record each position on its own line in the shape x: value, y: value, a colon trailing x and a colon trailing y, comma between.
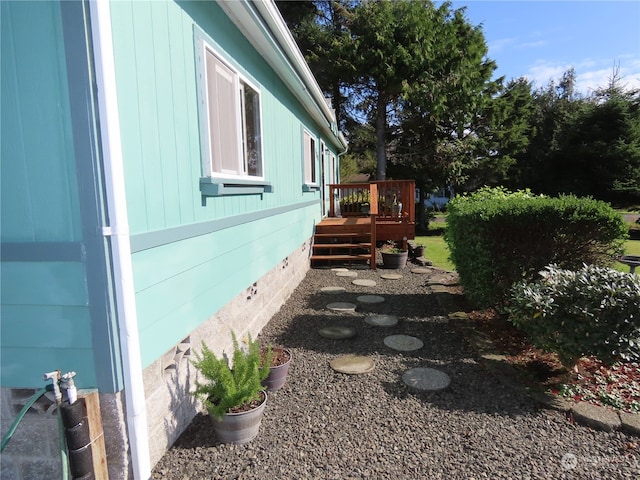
x: 342, y: 258
x: 341, y: 245
x: 338, y: 234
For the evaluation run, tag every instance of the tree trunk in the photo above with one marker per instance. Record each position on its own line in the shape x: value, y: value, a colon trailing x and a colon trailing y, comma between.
x: 423, y: 226
x: 381, y: 127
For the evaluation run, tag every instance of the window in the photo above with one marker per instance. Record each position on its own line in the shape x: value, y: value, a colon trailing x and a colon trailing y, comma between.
x: 230, y: 127
x: 310, y: 177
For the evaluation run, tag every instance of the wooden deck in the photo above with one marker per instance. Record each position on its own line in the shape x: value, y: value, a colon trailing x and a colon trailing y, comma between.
x: 345, y: 240
x: 356, y: 224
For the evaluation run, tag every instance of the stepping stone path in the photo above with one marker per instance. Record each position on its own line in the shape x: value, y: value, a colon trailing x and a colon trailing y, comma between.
x: 352, y: 364
x: 339, y: 269
x: 347, y: 273
x: 428, y: 379
x: 333, y: 290
x: 363, y: 282
x: 370, y: 299
x: 342, y: 307
x: 448, y: 279
x: 403, y: 343
x: 382, y: 320
x: 337, y: 332
x: 391, y: 276
x: 422, y: 271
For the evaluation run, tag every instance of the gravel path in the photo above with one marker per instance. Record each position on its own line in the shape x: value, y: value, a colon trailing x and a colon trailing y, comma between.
x: 326, y: 425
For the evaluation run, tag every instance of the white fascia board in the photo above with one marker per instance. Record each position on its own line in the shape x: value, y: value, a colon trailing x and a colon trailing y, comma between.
x: 261, y: 23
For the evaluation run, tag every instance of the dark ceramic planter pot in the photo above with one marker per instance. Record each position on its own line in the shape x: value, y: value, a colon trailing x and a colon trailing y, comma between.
x: 278, y: 374
x: 418, y: 251
x: 239, y: 428
x: 394, y: 260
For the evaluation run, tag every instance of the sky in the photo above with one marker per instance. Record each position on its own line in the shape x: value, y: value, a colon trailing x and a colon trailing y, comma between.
x: 541, y: 39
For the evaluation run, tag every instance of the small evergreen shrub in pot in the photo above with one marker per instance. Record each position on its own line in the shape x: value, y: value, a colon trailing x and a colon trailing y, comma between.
x: 233, y: 394
x: 591, y: 311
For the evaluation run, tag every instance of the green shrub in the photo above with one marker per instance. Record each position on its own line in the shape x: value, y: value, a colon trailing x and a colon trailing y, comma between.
x: 225, y: 388
x: 591, y: 311
x: 497, y: 238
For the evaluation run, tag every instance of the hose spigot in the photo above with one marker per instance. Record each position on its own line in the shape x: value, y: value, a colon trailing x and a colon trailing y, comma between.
x: 55, y: 378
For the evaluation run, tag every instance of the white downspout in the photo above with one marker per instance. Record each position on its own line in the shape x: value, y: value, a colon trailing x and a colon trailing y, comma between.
x: 119, y: 231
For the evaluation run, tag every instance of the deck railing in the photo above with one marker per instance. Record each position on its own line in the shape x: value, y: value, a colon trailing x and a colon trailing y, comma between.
x: 393, y: 200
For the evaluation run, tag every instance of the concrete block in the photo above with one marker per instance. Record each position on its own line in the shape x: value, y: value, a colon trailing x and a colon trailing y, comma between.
x: 42, y: 468
x: 596, y: 417
x: 9, y: 467
x: 630, y: 423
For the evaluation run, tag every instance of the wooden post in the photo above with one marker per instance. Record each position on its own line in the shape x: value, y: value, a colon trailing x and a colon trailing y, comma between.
x: 373, y: 213
x: 91, y: 401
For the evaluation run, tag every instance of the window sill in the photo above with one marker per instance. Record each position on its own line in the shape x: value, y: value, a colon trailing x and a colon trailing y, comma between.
x: 310, y: 187
x: 218, y: 187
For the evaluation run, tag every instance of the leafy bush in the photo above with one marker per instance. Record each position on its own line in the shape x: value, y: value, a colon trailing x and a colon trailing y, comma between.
x: 225, y: 388
x: 592, y: 311
x: 497, y: 238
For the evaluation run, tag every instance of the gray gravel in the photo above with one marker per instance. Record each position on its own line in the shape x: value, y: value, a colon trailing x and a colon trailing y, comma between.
x: 326, y: 425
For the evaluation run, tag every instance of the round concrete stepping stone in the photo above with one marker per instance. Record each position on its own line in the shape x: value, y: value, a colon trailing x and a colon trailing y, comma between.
x: 391, y: 276
x: 342, y: 307
x: 337, y: 332
x: 363, y: 282
x: 347, y: 273
x: 333, y: 290
x: 339, y: 269
x: 403, y: 343
x: 352, y: 364
x: 421, y: 270
x: 370, y: 299
x: 382, y: 320
x: 428, y: 379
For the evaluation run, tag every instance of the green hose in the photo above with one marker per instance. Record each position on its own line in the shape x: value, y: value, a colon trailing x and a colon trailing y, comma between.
x: 64, y: 455
x: 15, y: 423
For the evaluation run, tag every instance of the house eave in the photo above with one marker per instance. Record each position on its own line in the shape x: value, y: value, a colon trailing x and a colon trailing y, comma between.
x: 261, y: 23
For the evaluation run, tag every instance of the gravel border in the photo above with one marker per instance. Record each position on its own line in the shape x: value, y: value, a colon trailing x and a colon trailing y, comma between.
x: 327, y: 425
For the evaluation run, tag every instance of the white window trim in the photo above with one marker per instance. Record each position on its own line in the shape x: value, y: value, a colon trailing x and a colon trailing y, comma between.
x: 214, y: 183
x: 309, y: 183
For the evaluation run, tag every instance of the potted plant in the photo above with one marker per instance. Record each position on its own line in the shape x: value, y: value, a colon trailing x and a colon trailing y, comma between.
x: 280, y: 359
x: 393, y: 256
x: 233, y: 395
x: 418, y: 250
x: 355, y: 203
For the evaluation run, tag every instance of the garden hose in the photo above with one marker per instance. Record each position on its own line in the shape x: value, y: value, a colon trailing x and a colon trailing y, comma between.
x: 63, y: 447
x: 14, y: 425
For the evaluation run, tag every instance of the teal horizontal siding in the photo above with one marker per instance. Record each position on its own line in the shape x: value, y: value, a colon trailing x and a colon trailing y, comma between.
x: 180, y: 285
x: 48, y: 326
x: 45, y: 322
x: 20, y: 368
x: 55, y: 283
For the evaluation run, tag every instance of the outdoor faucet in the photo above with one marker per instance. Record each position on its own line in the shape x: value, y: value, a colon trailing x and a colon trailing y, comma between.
x: 55, y: 378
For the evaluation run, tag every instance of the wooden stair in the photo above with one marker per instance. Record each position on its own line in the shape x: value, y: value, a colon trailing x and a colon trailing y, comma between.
x: 345, y: 240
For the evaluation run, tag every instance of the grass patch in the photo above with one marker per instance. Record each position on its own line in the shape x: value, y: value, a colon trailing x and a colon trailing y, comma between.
x: 631, y: 247
x: 437, y: 251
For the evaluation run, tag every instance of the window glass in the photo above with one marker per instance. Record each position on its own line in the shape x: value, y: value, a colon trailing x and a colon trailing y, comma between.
x: 309, y: 159
x: 234, y: 128
x: 252, y: 141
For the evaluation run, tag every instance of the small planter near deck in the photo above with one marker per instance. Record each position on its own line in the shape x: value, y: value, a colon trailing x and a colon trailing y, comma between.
x: 418, y: 251
x: 394, y: 258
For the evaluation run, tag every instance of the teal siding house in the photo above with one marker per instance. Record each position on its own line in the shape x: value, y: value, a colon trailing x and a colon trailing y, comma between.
x: 163, y: 165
